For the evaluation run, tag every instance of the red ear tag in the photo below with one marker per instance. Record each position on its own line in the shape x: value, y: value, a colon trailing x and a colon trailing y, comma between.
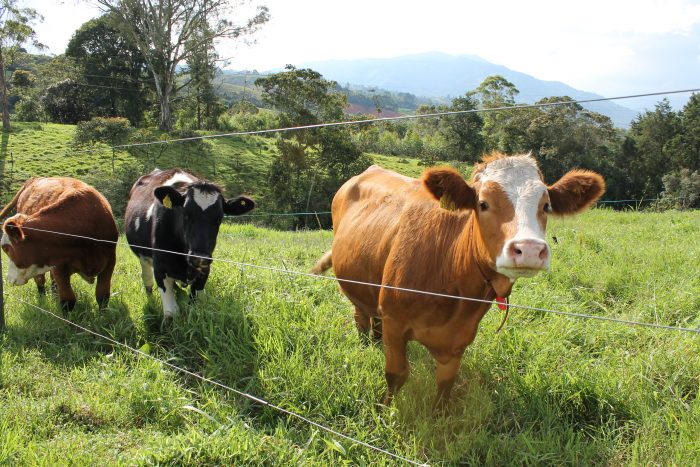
x: 502, y: 303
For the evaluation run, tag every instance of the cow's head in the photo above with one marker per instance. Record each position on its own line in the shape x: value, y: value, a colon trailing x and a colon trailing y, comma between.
x: 200, y: 209
x: 19, y: 250
x: 511, y: 204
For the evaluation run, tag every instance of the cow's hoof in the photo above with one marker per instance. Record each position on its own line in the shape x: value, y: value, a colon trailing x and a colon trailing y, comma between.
x: 441, y: 407
x: 166, y: 323
x: 41, y: 289
x: 149, y: 290
x: 102, y: 302
x: 67, y: 305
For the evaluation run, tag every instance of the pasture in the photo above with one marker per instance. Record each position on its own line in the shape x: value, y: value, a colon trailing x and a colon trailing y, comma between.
x: 547, y: 390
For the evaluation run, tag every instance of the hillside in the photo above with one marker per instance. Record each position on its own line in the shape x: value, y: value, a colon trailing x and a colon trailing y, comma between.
x: 238, y: 164
x: 437, y: 75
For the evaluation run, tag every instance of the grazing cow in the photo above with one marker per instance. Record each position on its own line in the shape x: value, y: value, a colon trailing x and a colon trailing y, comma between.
x: 440, y: 234
x: 66, y: 206
x: 172, y: 220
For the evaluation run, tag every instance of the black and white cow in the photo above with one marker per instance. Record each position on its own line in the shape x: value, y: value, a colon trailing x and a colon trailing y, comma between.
x: 173, y: 210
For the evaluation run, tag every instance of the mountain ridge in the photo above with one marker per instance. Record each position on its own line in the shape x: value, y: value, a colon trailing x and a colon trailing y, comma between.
x: 442, y: 76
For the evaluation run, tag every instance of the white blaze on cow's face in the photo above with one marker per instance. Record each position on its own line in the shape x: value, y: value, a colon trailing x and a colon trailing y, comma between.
x: 512, y: 206
x: 17, y: 275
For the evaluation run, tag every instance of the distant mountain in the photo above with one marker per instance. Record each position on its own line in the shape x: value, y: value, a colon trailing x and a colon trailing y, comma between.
x: 438, y: 75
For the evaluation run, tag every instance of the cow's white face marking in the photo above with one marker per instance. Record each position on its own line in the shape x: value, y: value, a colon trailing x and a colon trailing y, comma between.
x: 18, y: 276
x: 205, y: 199
x: 177, y: 178
x: 170, y: 307
x: 5, y: 240
x: 137, y: 223
x: 149, y: 212
x: 519, y: 178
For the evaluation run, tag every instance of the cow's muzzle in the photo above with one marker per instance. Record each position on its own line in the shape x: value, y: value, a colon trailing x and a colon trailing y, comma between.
x: 197, y: 265
x: 523, y: 258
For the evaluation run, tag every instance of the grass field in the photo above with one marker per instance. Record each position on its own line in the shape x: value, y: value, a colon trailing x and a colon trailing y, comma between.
x: 547, y: 390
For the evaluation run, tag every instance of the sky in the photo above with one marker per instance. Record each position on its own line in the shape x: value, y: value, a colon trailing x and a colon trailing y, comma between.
x: 610, y: 47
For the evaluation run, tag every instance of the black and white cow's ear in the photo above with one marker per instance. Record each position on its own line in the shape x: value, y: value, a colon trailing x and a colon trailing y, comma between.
x: 238, y: 206
x: 13, y: 230
x: 169, y: 196
x: 449, y: 188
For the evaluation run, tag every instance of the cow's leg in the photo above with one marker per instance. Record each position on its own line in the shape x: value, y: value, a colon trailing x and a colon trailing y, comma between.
x: 166, y: 287
x: 362, y: 322
x: 376, y: 329
x: 104, y: 281
x: 396, y: 367
x: 147, y: 273
x: 445, y: 375
x: 40, y: 283
x: 66, y: 296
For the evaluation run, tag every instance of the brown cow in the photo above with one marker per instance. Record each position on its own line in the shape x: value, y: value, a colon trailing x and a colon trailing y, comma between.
x: 68, y: 206
x: 443, y: 235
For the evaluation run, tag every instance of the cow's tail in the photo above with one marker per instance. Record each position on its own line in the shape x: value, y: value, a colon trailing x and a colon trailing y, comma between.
x: 13, y: 202
x: 323, y: 264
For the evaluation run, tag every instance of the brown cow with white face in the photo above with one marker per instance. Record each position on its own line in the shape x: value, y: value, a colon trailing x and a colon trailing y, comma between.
x: 443, y: 235
x: 65, y: 206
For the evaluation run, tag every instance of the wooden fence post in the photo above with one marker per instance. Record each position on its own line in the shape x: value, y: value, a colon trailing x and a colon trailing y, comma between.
x: 2, y: 300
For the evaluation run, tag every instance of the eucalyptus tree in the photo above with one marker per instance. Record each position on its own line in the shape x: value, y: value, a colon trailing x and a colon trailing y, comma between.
x: 167, y: 32
x: 15, y: 31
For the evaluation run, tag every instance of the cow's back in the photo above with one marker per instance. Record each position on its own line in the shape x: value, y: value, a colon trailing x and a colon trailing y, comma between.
x: 366, y: 214
x: 68, y: 205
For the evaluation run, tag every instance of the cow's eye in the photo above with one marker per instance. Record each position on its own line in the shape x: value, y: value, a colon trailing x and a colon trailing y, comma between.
x: 483, y: 205
x: 547, y: 207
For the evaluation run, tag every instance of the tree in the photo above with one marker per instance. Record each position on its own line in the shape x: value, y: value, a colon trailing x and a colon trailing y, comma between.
x: 495, y: 91
x: 160, y: 29
x: 113, y: 69
x: 15, y: 30
x: 201, y: 70
x: 652, y: 135
x: 463, y: 131
x: 312, y: 163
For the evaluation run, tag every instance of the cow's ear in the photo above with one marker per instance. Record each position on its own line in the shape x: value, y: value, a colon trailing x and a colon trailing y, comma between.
x: 169, y: 196
x: 449, y: 188
x: 575, y: 192
x: 238, y: 206
x: 13, y: 230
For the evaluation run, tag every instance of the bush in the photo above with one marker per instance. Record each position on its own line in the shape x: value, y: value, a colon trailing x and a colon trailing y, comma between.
x: 681, y: 189
x: 111, y: 131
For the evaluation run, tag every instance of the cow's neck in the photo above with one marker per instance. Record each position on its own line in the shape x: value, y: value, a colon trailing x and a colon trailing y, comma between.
x: 491, y: 283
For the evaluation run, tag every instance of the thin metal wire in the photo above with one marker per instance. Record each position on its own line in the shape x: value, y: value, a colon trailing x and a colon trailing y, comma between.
x: 223, y: 386
x: 391, y: 287
x: 387, y: 119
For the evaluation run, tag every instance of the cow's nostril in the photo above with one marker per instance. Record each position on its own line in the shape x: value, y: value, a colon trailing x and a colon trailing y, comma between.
x: 544, y: 253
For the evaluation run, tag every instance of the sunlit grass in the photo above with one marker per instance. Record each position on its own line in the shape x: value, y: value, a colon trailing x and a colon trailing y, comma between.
x: 546, y: 390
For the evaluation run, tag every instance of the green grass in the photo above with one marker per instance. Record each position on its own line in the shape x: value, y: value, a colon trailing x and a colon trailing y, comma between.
x: 547, y: 390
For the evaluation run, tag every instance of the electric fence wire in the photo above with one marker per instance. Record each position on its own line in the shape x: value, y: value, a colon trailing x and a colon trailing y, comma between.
x: 391, y: 287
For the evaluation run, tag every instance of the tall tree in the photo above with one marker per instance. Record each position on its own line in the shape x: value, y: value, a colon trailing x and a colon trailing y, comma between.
x: 496, y: 91
x: 160, y: 29
x: 312, y: 163
x: 463, y: 131
x: 15, y: 31
x: 112, y: 67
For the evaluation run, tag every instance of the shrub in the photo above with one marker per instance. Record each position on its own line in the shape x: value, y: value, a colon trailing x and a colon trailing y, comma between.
x: 681, y: 189
x: 114, y: 186
x: 111, y: 131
